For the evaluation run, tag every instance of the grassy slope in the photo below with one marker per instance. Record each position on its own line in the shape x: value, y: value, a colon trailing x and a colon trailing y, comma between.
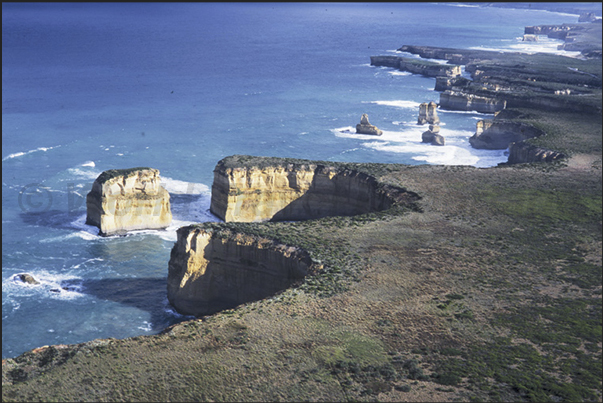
x: 492, y: 292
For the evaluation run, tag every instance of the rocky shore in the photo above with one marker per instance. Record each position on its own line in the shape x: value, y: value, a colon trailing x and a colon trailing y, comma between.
x: 395, y: 282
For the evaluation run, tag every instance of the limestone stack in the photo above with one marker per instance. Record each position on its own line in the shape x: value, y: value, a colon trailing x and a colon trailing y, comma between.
x: 433, y: 136
x: 210, y: 271
x: 428, y: 113
x: 124, y: 200
x: 364, y: 127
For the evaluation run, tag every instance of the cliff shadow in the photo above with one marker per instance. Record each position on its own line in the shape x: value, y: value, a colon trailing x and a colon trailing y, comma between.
x: 146, y: 294
x: 345, y: 194
x: 233, y: 273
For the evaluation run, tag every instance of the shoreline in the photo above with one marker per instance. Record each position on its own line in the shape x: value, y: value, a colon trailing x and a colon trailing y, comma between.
x: 248, y: 319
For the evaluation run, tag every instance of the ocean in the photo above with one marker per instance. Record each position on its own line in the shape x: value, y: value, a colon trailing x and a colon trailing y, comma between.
x: 88, y: 87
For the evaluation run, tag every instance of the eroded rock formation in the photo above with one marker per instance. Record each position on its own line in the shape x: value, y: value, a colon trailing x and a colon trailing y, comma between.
x: 521, y: 152
x: 428, y: 113
x: 417, y: 66
x: 433, y: 136
x: 497, y: 135
x: 27, y: 278
x: 277, y: 189
x: 124, y: 200
x: 210, y: 271
x: 364, y: 127
x: 455, y: 100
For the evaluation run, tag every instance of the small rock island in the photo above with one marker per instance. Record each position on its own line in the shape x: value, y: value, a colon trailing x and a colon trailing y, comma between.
x: 123, y: 200
x: 364, y: 127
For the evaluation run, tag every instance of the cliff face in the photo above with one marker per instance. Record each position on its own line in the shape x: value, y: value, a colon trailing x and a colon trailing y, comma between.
x: 296, y: 191
x: 497, y: 135
x: 521, y: 152
x: 455, y: 100
x: 415, y: 66
x: 209, y: 272
x: 128, y: 199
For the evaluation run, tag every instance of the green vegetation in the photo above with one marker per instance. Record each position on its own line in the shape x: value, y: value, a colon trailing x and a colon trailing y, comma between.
x: 112, y: 173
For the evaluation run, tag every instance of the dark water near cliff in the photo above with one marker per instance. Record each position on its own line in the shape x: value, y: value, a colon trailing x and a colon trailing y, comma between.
x: 88, y: 87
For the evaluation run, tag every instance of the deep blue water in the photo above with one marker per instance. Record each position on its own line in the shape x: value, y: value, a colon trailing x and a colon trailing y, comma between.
x: 88, y: 87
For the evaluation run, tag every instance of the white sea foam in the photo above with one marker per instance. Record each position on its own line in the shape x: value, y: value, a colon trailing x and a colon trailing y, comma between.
x: 84, y: 172
x: 85, y: 262
x: 181, y: 187
x: 147, y: 326
x: 457, y: 150
x: 398, y: 103
x: 89, y: 164
x: 22, y: 153
x: 543, y: 45
x: 50, y: 285
x: 399, y: 73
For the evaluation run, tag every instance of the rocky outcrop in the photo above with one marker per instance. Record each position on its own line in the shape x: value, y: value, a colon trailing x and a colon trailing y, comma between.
x: 364, y: 127
x: 497, y: 135
x: 451, y: 83
x: 27, y: 278
x: 433, y: 136
x: 587, y: 17
x: 552, y: 31
x: 452, y: 55
x: 252, y: 189
x: 585, y: 38
x: 417, y: 66
x: 460, y: 101
x: 210, y: 271
x: 428, y: 113
x: 124, y: 200
x: 521, y: 152
x: 530, y: 38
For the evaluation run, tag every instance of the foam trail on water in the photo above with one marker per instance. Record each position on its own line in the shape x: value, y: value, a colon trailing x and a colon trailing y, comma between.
x: 398, y: 103
x: 22, y: 153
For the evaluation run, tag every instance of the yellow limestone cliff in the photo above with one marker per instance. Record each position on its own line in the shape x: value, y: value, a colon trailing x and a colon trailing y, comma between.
x: 124, y: 200
x: 210, y: 271
x: 282, y: 190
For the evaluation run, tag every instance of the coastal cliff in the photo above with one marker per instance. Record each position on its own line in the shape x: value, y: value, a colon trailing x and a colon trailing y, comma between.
x: 455, y: 100
x: 417, y: 66
x: 210, y: 271
x: 278, y: 190
x: 124, y: 200
x: 522, y: 152
x: 497, y: 135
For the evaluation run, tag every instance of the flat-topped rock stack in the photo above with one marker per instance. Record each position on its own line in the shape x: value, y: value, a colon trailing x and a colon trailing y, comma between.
x: 123, y: 200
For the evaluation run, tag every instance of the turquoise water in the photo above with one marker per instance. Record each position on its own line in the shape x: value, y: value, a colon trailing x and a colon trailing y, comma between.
x: 88, y: 87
